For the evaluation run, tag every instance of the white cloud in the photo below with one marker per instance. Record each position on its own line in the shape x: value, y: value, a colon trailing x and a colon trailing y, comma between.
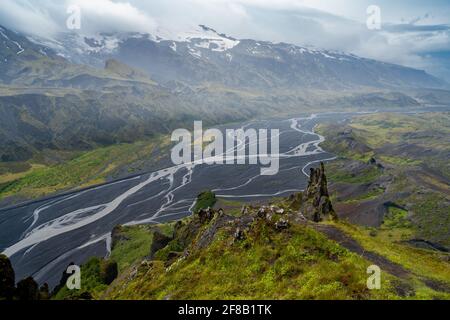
x: 47, y: 17
x: 108, y: 15
x: 23, y: 16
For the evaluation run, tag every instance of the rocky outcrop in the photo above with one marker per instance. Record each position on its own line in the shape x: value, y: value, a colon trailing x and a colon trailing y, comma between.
x: 315, y: 203
x: 199, y: 231
x: 206, y: 215
x: 7, y: 278
x: 117, y: 236
x: 27, y: 289
x: 159, y: 241
x: 108, y: 271
x: 282, y: 224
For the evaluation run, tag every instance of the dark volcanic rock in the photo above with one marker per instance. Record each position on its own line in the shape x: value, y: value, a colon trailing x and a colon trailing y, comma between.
x: 117, y: 235
x: 282, y: 224
x: 108, y: 271
x: 159, y: 241
x: 239, y: 235
x: 316, y: 203
x: 27, y: 289
x: 206, y: 215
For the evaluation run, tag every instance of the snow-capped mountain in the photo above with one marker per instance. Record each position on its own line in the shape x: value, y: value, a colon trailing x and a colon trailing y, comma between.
x: 203, y: 55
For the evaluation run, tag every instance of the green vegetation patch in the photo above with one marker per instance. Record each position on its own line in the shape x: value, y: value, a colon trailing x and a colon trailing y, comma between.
x: 432, y: 216
x: 299, y: 264
x: 96, y: 275
x: 85, y: 169
x: 420, y: 262
x: 337, y: 174
x: 134, y: 246
x: 231, y: 207
x: 400, y: 161
x: 396, y: 218
x: 372, y: 194
x: 206, y: 199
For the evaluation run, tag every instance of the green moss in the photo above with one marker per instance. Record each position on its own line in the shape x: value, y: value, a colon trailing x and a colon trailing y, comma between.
x: 91, y: 282
x: 366, y: 176
x: 134, y: 248
x: 421, y: 263
x: 396, y: 218
x: 206, y: 199
x: 372, y: 194
x: 301, y: 264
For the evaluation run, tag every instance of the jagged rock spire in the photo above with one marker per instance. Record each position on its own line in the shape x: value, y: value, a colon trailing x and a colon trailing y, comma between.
x: 316, y: 200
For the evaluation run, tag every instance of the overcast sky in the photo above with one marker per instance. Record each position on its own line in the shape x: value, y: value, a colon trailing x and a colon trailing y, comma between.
x: 413, y: 33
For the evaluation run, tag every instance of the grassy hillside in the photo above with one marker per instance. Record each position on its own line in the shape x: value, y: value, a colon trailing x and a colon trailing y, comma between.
x: 304, y: 261
x: 393, y: 174
x: 39, y: 177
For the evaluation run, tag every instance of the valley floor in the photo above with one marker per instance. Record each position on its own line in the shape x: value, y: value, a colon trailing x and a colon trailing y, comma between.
x: 390, y: 188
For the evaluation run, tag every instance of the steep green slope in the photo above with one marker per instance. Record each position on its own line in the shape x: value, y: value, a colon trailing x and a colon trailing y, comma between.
x: 248, y: 257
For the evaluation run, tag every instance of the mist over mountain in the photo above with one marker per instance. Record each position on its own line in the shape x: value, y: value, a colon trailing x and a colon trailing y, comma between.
x: 204, y: 55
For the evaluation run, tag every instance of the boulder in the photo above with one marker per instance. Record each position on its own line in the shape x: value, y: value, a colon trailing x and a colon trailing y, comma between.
x: 244, y: 210
x: 282, y: 224
x: 262, y: 212
x: 239, y: 235
x: 205, y: 215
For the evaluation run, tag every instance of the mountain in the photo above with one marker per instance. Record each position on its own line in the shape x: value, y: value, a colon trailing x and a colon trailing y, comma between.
x: 202, y: 55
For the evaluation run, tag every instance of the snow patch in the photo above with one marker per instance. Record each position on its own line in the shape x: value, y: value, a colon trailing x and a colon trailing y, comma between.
x: 21, y: 50
x: 195, y: 53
